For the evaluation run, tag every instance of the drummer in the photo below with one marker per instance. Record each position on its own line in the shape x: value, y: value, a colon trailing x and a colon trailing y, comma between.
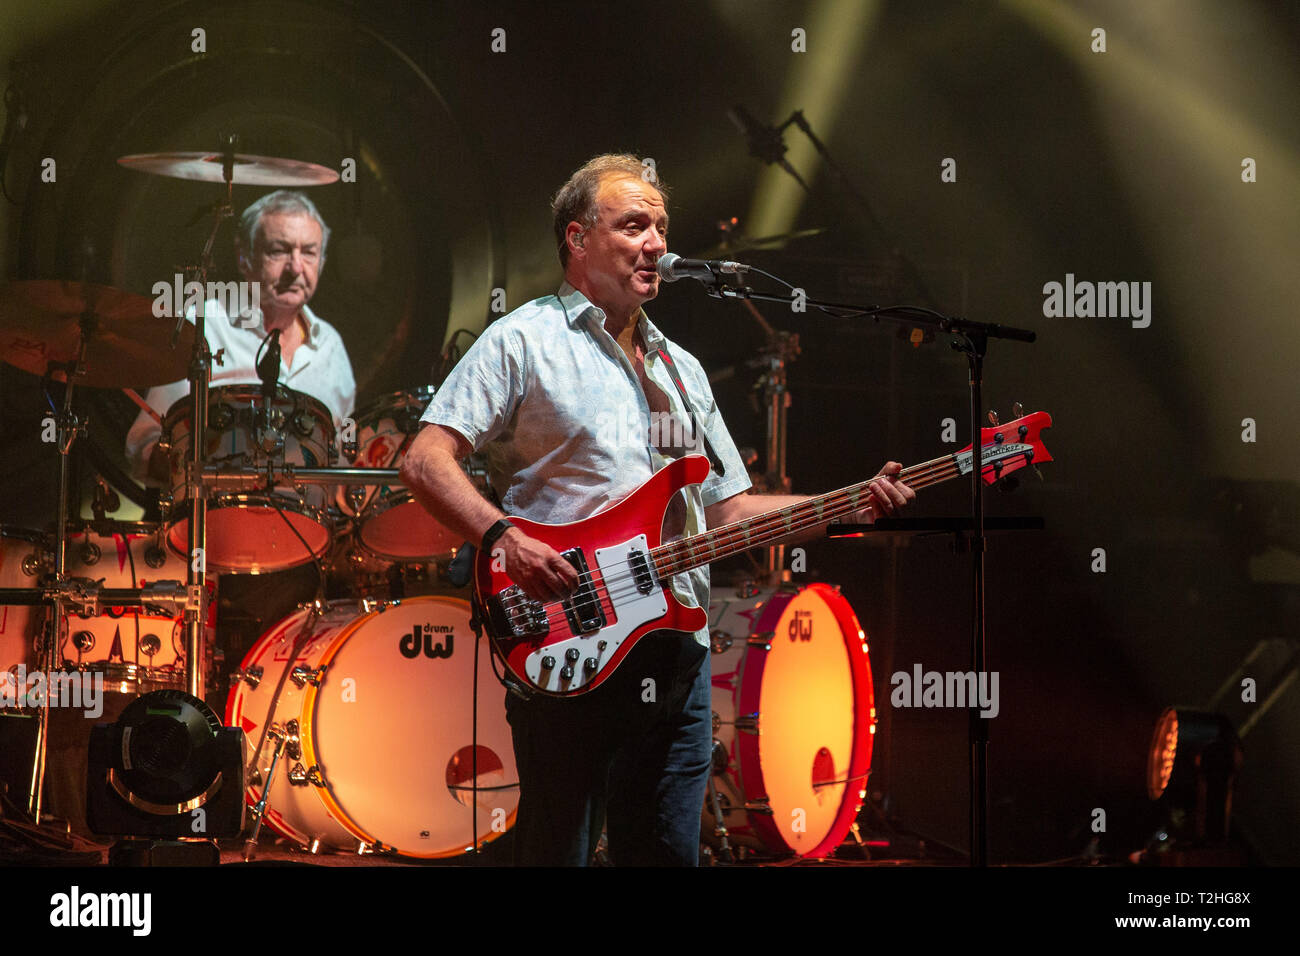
x: 280, y: 243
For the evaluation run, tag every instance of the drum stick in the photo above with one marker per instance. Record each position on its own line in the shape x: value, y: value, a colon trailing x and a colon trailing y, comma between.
x: 131, y: 394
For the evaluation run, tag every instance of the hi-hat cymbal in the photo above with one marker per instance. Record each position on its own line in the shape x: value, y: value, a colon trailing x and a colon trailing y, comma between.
x: 248, y: 170
x: 40, y: 323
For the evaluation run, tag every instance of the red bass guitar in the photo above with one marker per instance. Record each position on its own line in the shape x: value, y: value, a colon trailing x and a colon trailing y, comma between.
x: 565, y: 648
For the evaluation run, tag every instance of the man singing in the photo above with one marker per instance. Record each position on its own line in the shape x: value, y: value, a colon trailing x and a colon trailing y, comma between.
x: 536, y: 394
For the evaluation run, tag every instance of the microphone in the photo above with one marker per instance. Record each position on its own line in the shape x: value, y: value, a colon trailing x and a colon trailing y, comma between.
x: 672, y: 267
x: 268, y: 370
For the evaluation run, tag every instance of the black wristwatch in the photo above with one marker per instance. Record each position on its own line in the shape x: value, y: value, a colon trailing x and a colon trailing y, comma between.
x: 493, y: 533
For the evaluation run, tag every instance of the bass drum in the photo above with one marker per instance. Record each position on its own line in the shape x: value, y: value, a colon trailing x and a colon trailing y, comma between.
x: 377, y: 707
x: 793, y: 719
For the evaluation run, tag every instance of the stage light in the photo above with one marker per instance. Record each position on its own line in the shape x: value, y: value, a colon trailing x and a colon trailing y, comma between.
x: 166, y: 769
x: 1191, y: 766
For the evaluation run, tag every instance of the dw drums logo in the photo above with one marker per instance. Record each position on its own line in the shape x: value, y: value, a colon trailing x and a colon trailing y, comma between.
x: 801, y: 626
x: 423, y: 637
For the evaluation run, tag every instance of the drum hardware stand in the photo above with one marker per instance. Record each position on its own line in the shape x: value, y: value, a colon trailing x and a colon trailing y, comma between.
x: 719, y: 823
x: 258, y: 812
x: 68, y: 427
x: 972, y: 340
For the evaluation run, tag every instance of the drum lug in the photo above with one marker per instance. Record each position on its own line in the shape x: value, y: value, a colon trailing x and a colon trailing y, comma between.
x: 292, y: 744
x: 747, y: 590
x: 252, y: 676
x: 748, y: 724
x: 719, y: 756
x: 762, y: 639
x: 307, y: 675
x: 719, y: 641
x: 300, y: 776
x: 34, y: 564
x: 762, y: 805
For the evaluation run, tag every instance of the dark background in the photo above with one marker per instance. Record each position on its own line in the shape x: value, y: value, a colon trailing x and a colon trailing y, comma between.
x: 1115, y: 166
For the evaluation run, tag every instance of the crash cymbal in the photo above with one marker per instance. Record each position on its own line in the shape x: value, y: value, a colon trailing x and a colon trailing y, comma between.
x: 40, y: 323
x: 738, y: 244
x: 248, y: 170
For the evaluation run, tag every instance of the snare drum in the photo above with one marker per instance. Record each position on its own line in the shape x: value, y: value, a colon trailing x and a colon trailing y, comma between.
x: 390, y: 523
x: 793, y: 718
x: 254, y: 533
x: 137, y: 649
x: 377, y: 706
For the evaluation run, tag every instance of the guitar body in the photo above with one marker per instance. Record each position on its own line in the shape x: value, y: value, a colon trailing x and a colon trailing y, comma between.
x: 622, y: 599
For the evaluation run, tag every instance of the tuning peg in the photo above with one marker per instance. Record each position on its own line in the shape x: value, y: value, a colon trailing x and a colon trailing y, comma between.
x: 1018, y: 410
x: 993, y: 418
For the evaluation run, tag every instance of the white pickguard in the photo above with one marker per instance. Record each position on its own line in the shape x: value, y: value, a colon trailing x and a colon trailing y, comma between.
x: 631, y: 610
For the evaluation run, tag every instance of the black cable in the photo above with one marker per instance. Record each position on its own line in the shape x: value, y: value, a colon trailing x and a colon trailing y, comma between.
x: 320, y: 564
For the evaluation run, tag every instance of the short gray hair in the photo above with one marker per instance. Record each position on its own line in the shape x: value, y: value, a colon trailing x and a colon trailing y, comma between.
x: 282, y: 200
x: 576, y: 200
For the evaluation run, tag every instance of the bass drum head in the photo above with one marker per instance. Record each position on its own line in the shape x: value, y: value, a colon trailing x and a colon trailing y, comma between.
x: 795, y: 716
x: 389, y: 732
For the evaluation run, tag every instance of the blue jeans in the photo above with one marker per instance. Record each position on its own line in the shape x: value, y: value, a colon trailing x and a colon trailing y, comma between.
x: 632, y: 755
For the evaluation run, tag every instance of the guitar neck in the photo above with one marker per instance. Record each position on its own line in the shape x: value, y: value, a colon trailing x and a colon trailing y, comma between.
x: 761, y: 530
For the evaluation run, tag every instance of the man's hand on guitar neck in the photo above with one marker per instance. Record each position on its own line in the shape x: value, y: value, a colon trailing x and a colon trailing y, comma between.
x: 888, y: 494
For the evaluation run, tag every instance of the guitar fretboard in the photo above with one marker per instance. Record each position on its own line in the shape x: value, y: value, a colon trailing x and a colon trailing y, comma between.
x: 761, y: 530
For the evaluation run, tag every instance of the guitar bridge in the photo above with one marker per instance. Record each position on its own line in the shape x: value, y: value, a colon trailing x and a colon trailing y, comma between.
x: 513, y: 612
x: 583, y: 608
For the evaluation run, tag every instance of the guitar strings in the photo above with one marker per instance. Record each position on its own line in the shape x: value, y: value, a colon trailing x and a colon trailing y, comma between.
x: 666, y: 557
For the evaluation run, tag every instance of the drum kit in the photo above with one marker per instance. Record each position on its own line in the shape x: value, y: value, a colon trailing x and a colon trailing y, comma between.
x: 259, y: 483
x: 391, y: 732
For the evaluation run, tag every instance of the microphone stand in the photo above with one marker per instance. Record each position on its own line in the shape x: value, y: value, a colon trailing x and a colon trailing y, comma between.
x: 973, y: 338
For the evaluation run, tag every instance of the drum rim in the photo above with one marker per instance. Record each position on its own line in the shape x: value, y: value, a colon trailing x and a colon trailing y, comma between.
x: 181, y: 408
x: 753, y: 786
x: 390, y: 400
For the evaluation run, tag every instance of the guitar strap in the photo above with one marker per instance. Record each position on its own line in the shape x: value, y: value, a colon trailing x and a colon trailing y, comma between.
x: 714, y: 461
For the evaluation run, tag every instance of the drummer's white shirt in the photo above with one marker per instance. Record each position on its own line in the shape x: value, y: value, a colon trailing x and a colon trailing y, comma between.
x: 320, y: 369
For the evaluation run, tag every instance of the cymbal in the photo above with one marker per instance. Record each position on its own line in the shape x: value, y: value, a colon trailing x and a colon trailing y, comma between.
x: 40, y: 322
x: 747, y: 244
x: 248, y: 170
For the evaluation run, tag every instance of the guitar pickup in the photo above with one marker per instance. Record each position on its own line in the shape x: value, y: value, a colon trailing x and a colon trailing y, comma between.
x: 583, y: 607
x: 641, y: 574
x: 513, y: 613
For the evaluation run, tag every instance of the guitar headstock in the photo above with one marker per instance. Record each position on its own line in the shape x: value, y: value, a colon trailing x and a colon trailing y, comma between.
x: 1009, y: 447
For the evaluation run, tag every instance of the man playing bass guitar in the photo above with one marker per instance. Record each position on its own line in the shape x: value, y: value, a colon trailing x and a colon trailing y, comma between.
x: 576, y: 400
